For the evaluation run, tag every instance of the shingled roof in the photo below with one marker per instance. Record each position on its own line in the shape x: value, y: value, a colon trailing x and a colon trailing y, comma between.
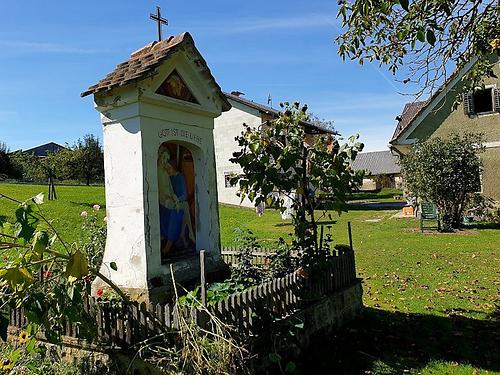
x: 44, y: 150
x: 377, y: 163
x: 410, y: 112
x: 144, y: 63
x: 275, y: 113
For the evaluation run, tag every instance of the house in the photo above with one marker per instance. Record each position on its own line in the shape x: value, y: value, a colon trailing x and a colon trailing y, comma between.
x: 230, y: 125
x: 44, y: 150
x: 381, y: 170
x: 479, y: 113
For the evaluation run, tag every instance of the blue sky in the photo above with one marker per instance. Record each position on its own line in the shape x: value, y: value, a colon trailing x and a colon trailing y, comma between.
x: 51, y: 51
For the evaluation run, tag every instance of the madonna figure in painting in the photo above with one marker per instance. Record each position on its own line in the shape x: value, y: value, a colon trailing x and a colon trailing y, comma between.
x: 176, y: 228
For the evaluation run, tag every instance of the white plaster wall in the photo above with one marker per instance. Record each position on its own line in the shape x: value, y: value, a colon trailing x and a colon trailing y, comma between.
x: 124, y: 204
x: 228, y: 126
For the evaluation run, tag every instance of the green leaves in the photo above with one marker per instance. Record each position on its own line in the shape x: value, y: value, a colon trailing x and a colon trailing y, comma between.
x: 77, y: 266
x: 40, y: 243
x: 452, y: 32
x: 113, y: 266
x: 431, y: 38
x: 421, y: 35
x: 450, y: 182
x: 274, y: 357
x: 26, y: 222
x: 17, y: 278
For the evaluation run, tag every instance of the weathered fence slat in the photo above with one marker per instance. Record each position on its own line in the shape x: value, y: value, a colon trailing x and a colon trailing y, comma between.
x: 280, y: 297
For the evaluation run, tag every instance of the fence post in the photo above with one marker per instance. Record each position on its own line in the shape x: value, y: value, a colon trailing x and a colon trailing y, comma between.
x: 202, y: 279
x: 350, y: 234
x: 322, y: 229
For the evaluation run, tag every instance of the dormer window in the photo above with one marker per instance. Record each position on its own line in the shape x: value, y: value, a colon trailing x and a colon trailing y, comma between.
x: 482, y: 101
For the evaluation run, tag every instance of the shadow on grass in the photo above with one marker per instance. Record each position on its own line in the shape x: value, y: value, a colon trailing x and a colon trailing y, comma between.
x: 374, y: 195
x: 484, y: 226
x: 405, y: 341
x: 85, y: 204
x: 376, y: 206
x: 320, y: 222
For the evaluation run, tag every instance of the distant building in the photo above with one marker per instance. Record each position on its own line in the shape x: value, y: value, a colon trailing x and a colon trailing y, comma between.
x: 44, y: 150
x: 381, y: 170
x: 230, y: 125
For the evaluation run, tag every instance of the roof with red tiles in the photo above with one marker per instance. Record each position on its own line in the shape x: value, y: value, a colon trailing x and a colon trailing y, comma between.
x: 410, y: 112
x: 144, y: 63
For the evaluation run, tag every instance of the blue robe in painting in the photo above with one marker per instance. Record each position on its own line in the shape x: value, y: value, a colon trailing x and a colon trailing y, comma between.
x: 171, y: 219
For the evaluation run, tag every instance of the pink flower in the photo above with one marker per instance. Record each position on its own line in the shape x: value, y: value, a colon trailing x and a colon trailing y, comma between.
x: 96, y: 207
x: 47, y: 274
x: 84, y: 214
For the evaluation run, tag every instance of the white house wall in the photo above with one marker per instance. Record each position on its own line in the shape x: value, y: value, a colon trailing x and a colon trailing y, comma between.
x: 228, y: 126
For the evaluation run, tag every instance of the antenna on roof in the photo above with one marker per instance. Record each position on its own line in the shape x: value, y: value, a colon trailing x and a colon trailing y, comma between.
x: 269, y: 100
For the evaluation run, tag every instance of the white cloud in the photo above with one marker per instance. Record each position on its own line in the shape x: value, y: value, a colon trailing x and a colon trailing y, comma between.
x: 312, y: 20
x: 260, y: 24
x: 43, y: 47
x: 350, y: 102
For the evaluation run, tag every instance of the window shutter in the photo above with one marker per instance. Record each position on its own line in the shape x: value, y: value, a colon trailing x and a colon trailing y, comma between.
x: 468, y: 103
x: 496, y: 100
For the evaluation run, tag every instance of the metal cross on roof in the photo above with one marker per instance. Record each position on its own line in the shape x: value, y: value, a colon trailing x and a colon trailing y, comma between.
x: 160, y: 21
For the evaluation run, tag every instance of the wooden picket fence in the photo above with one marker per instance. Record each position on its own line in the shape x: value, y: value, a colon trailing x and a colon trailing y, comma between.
x: 259, y: 256
x: 280, y: 297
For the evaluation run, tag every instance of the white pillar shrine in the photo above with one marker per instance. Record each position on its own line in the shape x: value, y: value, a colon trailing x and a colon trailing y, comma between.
x: 157, y: 111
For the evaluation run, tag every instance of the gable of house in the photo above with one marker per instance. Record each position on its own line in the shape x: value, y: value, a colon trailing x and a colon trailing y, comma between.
x: 44, y: 150
x: 437, y: 118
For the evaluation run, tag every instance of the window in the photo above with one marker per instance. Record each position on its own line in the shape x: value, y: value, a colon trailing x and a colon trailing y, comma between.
x: 482, y: 101
x: 228, y: 176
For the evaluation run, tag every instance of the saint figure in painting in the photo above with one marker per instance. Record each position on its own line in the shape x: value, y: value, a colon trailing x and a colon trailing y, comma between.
x: 175, y: 220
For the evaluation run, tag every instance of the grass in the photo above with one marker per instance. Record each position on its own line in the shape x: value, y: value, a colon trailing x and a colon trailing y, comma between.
x: 432, y: 299
x: 384, y: 193
x: 63, y: 212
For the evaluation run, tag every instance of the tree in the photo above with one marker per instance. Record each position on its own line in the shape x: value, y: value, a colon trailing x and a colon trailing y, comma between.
x: 88, y: 159
x: 425, y: 37
x: 446, y: 172
x: 28, y: 165
x: 278, y: 165
x: 7, y: 167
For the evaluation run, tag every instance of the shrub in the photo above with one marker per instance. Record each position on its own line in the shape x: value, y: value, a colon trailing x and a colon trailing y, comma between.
x: 446, y: 172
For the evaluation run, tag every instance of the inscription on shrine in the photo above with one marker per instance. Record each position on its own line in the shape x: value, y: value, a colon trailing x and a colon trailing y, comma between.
x: 182, y: 133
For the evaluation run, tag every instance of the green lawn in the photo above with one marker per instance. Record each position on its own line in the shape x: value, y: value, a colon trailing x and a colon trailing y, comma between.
x: 63, y: 212
x: 432, y: 299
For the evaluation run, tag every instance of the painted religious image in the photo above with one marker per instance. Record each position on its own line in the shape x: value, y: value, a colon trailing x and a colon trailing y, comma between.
x: 175, y: 87
x: 176, y: 187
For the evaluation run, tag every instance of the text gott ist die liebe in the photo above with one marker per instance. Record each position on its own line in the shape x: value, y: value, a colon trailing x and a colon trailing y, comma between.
x: 174, y: 132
